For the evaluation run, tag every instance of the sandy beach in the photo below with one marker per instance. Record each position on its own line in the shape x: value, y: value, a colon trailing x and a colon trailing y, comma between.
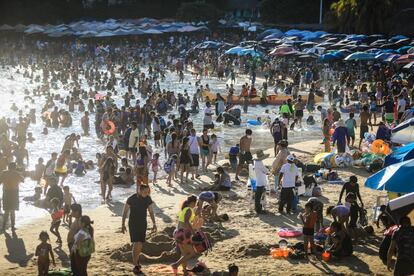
x: 244, y: 240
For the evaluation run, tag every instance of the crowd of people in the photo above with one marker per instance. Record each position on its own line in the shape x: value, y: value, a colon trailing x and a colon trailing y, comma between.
x: 152, y: 133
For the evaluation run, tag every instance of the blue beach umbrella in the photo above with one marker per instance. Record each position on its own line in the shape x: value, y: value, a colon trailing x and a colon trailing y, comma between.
x: 399, y: 155
x: 394, y: 178
x: 250, y: 51
x: 360, y: 56
x: 234, y: 51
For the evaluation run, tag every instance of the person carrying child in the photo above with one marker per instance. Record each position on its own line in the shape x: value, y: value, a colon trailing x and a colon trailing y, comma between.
x: 308, y: 218
x: 43, y: 251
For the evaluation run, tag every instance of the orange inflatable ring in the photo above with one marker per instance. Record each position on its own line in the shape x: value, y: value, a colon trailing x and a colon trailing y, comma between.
x: 380, y: 147
x: 108, y: 127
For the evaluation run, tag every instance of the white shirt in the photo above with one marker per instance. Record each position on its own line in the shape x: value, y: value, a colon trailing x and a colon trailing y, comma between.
x: 290, y: 171
x: 208, y: 119
x: 193, y: 142
x: 261, y: 173
x: 134, y: 135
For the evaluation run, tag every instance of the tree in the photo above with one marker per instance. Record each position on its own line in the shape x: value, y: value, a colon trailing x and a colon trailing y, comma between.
x: 290, y: 11
x: 362, y: 16
x: 198, y: 11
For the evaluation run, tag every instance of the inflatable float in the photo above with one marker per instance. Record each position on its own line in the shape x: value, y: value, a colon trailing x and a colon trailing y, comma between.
x: 254, y: 122
x: 108, y: 127
x: 289, y: 232
x: 270, y: 100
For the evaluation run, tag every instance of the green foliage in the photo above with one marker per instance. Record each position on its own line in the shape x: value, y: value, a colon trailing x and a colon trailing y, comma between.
x: 290, y: 11
x: 362, y: 16
x: 198, y: 11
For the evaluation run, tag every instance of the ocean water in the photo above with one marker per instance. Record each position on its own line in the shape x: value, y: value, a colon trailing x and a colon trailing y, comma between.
x: 86, y: 189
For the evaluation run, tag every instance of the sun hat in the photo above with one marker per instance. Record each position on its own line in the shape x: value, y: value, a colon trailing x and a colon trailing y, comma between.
x: 260, y: 155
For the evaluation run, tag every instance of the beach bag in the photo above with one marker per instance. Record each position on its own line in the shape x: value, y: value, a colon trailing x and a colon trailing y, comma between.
x: 86, y: 247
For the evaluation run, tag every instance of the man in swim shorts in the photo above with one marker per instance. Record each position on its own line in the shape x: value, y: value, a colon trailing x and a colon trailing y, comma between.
x: 245, y: 156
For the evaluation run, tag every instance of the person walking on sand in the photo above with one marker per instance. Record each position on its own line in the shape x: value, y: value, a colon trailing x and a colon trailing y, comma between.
x: 10, y: 180
x: 261, y: 180
x: 288, y: 176
x: 245, y: 156
x: 340, y: 136
x: 137, y: 205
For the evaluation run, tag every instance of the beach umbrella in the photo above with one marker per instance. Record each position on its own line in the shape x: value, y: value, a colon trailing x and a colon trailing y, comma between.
x: 394, y: 178
x: 409, y: 66
x: 383, y: 56
x: 268, y: 32
x: 404, y: 59
x: 410, y: 51
x: 329, y: 57
x: 273, y: 36
x: 360, y: 56
x: 397, y: 37
x: 392, y: 58
x: 281, y: 50
x: 403, y: 50
x: 234, y: 51
x: 250, y: 52
x: 403, y: 133
x: 401, y: 154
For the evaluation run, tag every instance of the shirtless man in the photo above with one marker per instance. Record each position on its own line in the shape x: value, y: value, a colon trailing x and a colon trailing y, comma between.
x: 10, y: 180
x: 245, y: 155
x: 54, y: 116
x: 365, y: 117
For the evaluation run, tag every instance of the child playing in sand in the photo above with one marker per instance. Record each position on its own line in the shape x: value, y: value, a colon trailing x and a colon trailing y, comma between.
x: 309, y: 219
x: 57, y: 214
x: 215, y: 147
x: 43, y: 250
x: 155, y: 165
x: 169, y: 167
x: 67, y: 202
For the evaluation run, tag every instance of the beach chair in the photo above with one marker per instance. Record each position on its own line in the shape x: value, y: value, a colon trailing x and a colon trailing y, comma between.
x: 381, y: 200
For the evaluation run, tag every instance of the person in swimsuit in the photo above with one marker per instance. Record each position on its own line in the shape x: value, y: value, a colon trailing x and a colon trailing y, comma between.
x: 205, y: 149
x: 141, y: 166
x: 43, y: 250
x: 185, y: 159
x: 107, y: 170
x: 245, y: 156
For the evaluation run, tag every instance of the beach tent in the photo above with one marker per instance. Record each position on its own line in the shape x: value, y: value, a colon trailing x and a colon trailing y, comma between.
x: 394, y: 178
x: 401, y: 154
x: 403, y: 133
